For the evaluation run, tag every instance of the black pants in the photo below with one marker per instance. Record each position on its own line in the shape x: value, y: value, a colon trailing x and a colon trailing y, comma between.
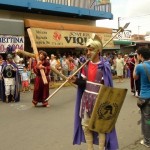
x: 145, y: 119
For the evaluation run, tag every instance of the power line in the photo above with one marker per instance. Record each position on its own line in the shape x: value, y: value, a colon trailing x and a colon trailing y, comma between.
x: 123, y: 18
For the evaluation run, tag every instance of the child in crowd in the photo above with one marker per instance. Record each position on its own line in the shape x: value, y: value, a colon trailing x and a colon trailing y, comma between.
x: 29, y: 76
x: 25, y: 79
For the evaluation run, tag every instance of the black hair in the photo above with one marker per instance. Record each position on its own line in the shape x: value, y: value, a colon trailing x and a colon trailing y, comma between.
x: 145, y: 52
x: 44, y: 53
x: 1, y: 57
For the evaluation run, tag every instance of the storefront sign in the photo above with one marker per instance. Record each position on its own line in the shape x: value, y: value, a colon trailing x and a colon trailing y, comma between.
x: 7, y: 40
x: 125, y: 35
x: 46, y: 38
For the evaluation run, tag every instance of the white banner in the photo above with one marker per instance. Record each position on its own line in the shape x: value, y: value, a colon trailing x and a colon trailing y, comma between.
x: 125, y: 35
x: 8, y: 40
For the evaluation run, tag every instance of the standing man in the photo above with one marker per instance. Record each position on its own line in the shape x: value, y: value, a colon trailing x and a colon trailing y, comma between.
x: 65, y: 66
x: 11, y: 80
x: 120, y: 67
x: 53, y: 63
x: 41, y: 90
x: 142, y: 71
x: 95, y: 73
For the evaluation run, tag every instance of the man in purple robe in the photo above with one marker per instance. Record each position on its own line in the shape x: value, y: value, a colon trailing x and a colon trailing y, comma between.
x: 96, y: 72
x: 10, y: 84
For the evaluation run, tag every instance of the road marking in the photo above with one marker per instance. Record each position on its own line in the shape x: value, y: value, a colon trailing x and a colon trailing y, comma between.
x: 20, y: 106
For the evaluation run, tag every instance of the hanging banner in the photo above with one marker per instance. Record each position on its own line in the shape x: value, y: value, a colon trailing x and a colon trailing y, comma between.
x: 125, y: 35
x: 8, y: 40
x: 46, y: 38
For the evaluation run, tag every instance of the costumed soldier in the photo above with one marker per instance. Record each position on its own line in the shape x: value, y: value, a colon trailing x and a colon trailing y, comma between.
x: 10, y: 78
x: 41, y: 90
x: 96, y: 72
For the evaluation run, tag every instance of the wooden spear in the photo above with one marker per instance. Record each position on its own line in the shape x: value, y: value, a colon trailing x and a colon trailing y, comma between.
x: 119, y: 30
x: 25, y: 53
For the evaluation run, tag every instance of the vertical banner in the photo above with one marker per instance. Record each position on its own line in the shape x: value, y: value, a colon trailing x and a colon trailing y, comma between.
x: 125, y: 35
x: 8, y: 40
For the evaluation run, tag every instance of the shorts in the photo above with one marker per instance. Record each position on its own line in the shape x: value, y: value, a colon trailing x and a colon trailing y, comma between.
x: 25, y: 83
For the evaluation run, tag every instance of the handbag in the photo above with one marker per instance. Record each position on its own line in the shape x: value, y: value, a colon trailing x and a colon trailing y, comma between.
x: 146, y: 70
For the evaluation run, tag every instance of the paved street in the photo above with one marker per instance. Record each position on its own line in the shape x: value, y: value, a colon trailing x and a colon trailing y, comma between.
x: 24, y: 127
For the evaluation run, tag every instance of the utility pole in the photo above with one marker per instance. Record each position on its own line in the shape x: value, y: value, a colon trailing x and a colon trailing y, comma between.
x: 139, y: 32
x: 119, y: 22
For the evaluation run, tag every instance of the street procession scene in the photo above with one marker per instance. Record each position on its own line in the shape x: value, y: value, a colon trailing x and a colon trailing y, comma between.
x: 74, y: 75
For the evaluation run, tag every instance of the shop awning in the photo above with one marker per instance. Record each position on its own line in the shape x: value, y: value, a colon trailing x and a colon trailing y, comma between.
x: 11, y: 27
x: 122, y: 42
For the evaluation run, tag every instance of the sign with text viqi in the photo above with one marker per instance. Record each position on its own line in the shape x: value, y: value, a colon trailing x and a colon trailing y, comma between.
x: 47, y: 38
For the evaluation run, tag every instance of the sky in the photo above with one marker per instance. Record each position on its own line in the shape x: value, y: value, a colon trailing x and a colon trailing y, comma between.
x: 137, y: 12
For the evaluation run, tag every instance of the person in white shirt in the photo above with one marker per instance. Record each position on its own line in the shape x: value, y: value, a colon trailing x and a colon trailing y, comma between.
x: 65, y: 66
x: 120, y: 68
x: 53, y: 63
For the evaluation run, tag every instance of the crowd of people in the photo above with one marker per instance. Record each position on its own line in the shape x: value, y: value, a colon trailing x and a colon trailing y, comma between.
x: 15, y: 74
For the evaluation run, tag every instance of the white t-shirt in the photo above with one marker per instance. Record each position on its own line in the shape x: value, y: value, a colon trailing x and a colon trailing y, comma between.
x: 53, y: 63
x: 24, y: 76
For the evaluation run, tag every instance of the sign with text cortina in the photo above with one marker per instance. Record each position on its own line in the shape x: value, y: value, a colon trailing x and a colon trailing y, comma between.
x: 47, y: 38
x: 8, y: 40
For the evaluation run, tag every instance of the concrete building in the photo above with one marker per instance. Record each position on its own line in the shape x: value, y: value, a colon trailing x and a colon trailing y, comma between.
x: 58, y: 17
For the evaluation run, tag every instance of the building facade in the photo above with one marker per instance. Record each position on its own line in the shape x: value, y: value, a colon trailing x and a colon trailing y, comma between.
x: 14, y: 15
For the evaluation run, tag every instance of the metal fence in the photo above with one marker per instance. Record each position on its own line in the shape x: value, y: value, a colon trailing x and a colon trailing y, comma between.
x: 87, y: 4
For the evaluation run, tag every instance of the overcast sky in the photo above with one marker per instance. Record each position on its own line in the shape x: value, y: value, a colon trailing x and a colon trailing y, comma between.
x: 137, y: 12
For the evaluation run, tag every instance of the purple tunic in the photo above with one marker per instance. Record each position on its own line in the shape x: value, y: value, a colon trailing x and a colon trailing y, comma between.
x: 111, y: 138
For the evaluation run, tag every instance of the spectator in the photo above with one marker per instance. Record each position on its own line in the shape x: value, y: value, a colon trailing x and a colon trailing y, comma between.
x: 71, y: 66
x: 11, y: 83
x: 53, y: 64
x: 65, y: 66
x: 119, y: 68
x: 142, y: 71
x: 25, y: 79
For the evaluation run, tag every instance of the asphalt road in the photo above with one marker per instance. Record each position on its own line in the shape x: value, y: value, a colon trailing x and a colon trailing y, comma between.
x: 24, y: 127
